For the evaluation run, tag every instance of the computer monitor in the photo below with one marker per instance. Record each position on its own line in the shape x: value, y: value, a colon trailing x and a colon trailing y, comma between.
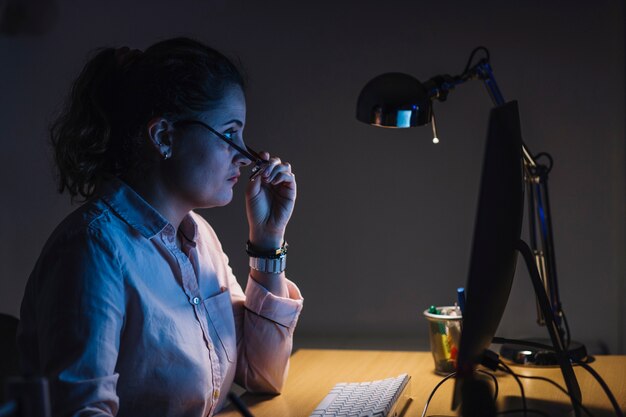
x: 496, y: 234
x: 497, y: 231
x: 495, y: 246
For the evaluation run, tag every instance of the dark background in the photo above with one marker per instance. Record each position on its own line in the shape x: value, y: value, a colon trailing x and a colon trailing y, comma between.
x: 384, y: 218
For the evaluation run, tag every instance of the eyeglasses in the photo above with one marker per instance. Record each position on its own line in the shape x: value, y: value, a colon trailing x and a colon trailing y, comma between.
x: 249, y: 153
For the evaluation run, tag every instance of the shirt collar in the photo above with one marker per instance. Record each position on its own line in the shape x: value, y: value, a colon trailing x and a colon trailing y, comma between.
x: 133, y: 209
x: 189, y: 229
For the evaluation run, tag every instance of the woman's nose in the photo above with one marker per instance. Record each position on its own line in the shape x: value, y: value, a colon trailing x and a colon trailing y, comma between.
x: 240, y: 158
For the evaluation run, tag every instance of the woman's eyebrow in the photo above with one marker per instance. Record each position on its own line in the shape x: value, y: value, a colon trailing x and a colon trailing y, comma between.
x: 236, y: 121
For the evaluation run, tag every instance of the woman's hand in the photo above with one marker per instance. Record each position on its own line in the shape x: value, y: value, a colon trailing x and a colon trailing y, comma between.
x: 270, y: 199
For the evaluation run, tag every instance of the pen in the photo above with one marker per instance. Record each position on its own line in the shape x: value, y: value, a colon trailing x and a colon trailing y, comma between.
x: 460, y: 296
x: 239, y: 405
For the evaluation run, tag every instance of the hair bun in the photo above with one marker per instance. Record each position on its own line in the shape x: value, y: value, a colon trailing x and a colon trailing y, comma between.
x: 125, y: 56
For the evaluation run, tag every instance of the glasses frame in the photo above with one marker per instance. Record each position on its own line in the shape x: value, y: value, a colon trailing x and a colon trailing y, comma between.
x: 249, y: 153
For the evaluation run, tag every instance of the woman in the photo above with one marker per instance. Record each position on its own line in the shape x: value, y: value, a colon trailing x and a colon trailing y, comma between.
x: 132, y: 309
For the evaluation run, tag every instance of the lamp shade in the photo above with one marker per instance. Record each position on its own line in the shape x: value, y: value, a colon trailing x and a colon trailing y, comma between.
x: 394, y: 100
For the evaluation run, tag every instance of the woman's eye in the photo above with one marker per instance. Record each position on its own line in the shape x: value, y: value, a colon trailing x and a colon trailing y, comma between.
x: 229, y: 135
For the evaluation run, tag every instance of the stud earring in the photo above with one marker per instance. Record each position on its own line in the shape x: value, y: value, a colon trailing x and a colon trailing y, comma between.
x: 166, y: 155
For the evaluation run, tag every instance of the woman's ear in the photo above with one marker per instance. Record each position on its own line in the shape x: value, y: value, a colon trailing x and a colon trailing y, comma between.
x: 159, y: 132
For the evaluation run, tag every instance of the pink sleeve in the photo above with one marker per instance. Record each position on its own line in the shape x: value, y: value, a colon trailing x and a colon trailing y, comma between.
x: 266, y: 338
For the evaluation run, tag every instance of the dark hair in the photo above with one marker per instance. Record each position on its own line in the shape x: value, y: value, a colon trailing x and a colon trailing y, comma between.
x: 118, y: 91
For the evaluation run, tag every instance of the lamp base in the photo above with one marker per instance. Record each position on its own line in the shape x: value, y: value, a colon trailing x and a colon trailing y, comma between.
x: 521, y: 354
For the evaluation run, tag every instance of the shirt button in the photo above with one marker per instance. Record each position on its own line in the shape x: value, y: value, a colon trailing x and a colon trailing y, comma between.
x: 196, y: 300
x: 216, y: 394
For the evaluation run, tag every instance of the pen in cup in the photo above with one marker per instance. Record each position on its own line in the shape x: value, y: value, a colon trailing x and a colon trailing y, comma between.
x: 460, y: 295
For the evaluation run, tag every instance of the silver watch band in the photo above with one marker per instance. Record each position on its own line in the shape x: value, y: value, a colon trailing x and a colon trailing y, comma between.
x: 269, y: 265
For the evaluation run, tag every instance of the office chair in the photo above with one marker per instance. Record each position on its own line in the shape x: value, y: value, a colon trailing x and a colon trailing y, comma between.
x: 9, y: 357
x: 19, y: 397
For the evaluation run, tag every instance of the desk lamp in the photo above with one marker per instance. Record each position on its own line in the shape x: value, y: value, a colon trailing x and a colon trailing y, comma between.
x: 398, y: 100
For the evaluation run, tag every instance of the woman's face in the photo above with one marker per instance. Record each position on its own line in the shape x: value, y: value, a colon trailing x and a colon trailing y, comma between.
x: 203, y: 168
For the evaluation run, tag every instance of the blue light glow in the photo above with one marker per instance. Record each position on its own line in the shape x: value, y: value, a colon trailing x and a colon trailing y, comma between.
x: 403, y: 118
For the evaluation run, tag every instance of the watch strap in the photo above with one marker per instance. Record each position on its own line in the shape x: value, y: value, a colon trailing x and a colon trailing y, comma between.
x: 269, y: 265
x: 271, y: 254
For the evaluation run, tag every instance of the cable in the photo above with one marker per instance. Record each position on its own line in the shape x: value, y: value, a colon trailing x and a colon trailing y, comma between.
x: 563, y: 390
x: 471, y: 58
x: 435, y: 390
x: 504, y: 340
x: 605, y: 387
x: 550, y: 160
x: 495, y: 383
x: 495, y: 397
x: 530, y: 410
x: 567, y: 332
x: 521, y: 386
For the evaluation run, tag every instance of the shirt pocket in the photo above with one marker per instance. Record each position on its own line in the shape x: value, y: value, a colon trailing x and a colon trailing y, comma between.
x: 219, y: 310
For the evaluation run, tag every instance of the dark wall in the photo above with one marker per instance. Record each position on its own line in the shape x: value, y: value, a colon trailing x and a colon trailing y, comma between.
x: 384, y: 218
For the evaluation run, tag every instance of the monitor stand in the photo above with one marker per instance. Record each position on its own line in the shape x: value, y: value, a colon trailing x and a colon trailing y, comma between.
x: 558, y: 348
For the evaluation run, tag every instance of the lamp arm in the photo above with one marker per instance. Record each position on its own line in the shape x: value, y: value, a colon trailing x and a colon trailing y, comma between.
x: 546, y: 253
x: 439, y: 86
x: 483, y: 71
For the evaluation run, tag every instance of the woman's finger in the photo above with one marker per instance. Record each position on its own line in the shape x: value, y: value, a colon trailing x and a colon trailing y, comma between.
x: 277, y: 170
x: 270, y: 165
x: 283, y: 177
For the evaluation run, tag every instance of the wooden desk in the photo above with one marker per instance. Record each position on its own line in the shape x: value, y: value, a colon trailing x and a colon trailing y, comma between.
x: 314, y: 372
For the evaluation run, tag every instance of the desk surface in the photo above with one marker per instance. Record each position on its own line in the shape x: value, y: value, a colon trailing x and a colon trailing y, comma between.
x: 314, y: 372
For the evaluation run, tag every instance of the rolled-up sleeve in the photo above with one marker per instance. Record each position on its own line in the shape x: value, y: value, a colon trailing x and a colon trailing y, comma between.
x: 267, y: 337
x: 72, y: 318
x: 280, y: 310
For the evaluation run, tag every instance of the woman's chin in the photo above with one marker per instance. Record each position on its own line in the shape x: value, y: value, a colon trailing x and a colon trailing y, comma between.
x: 219, y: 201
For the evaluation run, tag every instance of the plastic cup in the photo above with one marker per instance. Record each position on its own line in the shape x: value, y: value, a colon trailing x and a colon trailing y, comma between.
x: 445, y: 334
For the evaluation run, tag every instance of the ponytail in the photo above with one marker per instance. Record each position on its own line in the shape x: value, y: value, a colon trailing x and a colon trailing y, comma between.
x: 81, y: 135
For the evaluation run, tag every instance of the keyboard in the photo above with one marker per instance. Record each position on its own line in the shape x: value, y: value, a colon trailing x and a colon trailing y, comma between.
x: 383, y: 398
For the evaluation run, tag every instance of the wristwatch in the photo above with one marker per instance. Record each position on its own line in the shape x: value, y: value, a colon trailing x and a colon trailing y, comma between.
x: 273, y: 261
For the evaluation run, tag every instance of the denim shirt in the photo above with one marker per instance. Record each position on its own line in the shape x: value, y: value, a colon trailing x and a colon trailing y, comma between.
x: 123, y: 323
